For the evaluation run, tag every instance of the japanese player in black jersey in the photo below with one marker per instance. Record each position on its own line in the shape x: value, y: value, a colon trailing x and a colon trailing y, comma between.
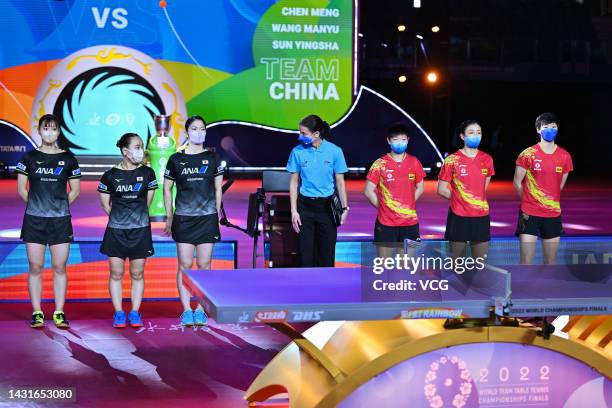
x: 194, y: 224
x: 126, y: 191
x: 42, y: 177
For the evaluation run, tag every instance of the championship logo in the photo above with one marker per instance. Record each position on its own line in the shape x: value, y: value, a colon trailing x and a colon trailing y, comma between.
x: 101, y: 92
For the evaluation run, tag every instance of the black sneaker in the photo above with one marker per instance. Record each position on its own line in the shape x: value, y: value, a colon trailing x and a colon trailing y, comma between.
x: 38, y: 320
x: 60, y: 320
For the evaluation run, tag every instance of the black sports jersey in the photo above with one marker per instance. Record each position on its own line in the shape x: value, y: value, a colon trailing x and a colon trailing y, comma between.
x: 48, y: 175
x: 128, y: 190
x: 194, y: 175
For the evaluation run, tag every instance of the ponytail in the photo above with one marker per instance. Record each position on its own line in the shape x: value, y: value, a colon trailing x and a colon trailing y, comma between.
x: 315, y: 124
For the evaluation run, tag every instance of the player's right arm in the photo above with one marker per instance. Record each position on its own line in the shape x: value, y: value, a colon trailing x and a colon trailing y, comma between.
x: 445, y: 176
x: 168, y: 204
x: 519, y: 175
x: 22, y: 186
x: 370, y: 192
x: 105, y: 202
x: 444, y: 189
x: 103, y: 189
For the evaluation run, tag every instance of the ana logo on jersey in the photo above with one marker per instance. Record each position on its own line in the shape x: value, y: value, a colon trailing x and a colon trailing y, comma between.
x: 194, y: 170
x: 47, y: 170
x: 128, y: 188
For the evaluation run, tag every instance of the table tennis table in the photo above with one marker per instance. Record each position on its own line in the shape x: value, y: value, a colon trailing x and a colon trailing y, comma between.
x: 325, y: 294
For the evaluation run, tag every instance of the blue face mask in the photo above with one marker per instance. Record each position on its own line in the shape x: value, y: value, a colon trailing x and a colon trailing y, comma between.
x: 399, y: 147
x: 305, y: 140
x: 472, y: 141
x: 548, y: 134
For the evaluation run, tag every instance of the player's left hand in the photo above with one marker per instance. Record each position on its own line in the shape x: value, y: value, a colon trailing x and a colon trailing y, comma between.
x: 168, y: 227
x: 343, y: 217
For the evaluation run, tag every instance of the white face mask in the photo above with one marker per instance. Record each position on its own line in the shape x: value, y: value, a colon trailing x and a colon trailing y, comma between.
x: 136, y: 155
x: 49, y: 136
x: 197, y: 136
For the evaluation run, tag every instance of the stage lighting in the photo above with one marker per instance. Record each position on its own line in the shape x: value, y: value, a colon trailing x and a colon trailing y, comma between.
x: 435, y: 29
x: 401, y: 28
x: 402, y: 78
x: 419, y: 36
x: 432, y: 77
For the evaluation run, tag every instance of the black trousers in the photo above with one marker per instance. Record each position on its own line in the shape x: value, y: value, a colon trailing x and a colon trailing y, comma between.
x: 318, y: 233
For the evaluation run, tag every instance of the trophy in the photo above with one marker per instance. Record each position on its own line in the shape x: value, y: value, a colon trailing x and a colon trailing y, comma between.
x: 160, y: 148
x: 162, y: 128
x: 162, y: 124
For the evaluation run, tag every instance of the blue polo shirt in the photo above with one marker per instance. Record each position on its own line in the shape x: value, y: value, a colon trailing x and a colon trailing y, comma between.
x: 317, y: 168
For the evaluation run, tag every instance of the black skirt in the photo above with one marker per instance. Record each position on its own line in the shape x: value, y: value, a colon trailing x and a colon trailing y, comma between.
x: 196, y: 230
x: 463, y: 229
x: 543, y: 227
x: 132, y: 243
x: 46, y: 230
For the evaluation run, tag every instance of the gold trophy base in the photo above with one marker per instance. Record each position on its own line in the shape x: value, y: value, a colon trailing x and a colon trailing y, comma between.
x: 352, y: 353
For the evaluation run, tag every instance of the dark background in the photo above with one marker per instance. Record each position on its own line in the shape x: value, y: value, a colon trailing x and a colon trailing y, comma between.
x: 502, y: 63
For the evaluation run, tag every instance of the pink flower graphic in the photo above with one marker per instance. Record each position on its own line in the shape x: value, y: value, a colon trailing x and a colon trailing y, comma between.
x: 430, y: 390
x: 436, y: 402
x: 458, y: 401
x: 466, y: 388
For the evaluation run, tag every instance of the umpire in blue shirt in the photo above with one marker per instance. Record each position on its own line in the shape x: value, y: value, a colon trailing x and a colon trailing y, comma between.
x: 317, y: 167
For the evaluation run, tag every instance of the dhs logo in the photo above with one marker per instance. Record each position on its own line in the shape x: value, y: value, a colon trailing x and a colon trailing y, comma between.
x: 194, y: 170
x: 270, y: 316
x: 56, y: 172
x: 308, y: 316
x: 128, y: 189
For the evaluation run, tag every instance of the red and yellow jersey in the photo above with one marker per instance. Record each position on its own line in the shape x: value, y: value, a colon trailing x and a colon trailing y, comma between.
x: 542, y: 183
x: 467, y: 177
x: 395, y: 186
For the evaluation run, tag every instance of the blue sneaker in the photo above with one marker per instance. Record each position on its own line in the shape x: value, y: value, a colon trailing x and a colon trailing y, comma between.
x: 119, y: 319
x: 187, y: 318
x: 135, y: 319
x: 200, y: 318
